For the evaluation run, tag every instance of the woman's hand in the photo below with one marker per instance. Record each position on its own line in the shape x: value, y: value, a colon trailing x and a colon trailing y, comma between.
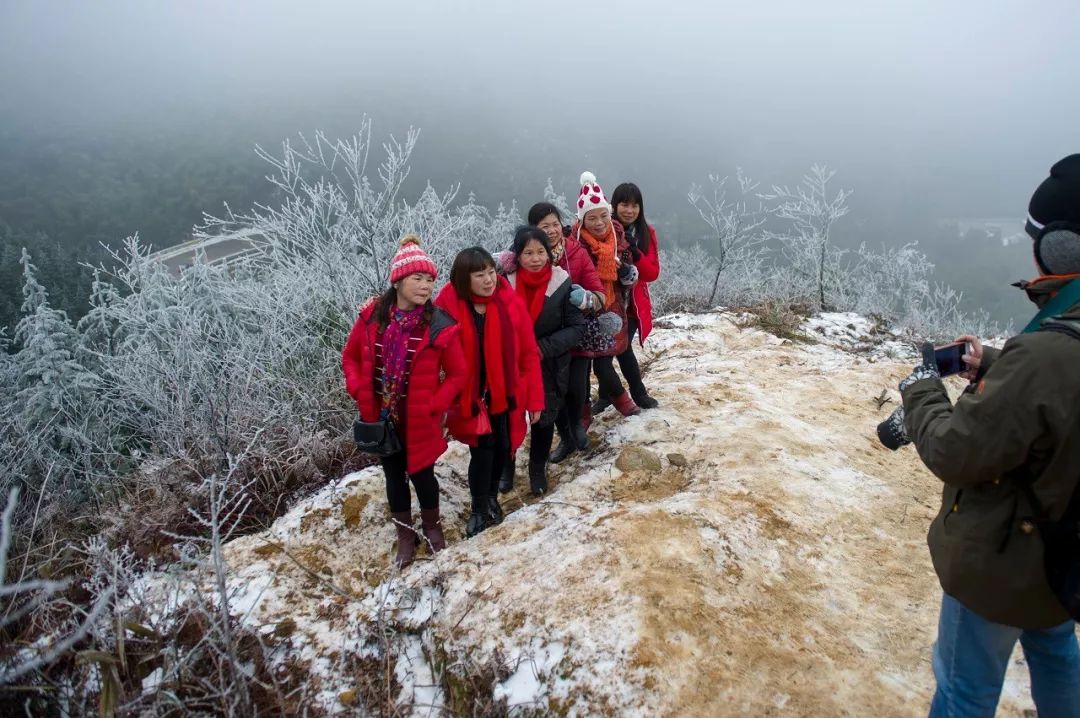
x: 973, y: 358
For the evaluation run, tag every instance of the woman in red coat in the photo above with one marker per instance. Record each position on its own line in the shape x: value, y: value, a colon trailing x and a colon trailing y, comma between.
x: 403, y: 360
x: 630, y: 213
x: 612, y: 255
x: 504, y: 389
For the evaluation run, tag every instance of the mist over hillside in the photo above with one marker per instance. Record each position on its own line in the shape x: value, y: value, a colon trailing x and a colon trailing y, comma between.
x: 138, y: 118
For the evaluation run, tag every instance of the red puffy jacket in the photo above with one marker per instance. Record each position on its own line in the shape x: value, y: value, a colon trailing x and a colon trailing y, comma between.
x: 578, y: 264
x: 529, y: 381
x: 648, y: 266
x: 427, y: 398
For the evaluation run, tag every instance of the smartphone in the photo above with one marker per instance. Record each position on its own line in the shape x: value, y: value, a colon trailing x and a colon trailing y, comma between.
x: 949, y: 358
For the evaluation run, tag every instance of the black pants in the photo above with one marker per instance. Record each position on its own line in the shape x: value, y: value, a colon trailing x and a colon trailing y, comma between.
x: 486, y: 461
x: 397, y: 484
x: 577, y: 392
x: 610, y: 386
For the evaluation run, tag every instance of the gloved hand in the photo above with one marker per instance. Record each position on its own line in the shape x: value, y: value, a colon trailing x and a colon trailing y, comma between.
x: 610, y: 323
x: 580, y: 298
x: 926, y: 370
x: 891, y: 432
x: 628, y: 274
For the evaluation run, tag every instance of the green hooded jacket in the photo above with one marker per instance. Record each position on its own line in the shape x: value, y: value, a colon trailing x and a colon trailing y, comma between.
x: 1020, y: 421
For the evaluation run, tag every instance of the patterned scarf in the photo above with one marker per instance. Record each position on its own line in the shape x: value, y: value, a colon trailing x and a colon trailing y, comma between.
x: 604, y: 250
x: 531, y: 287
x: 395, y: 352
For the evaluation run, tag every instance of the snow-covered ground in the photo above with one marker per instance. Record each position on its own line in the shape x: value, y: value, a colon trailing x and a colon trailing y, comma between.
x: 771, y: 561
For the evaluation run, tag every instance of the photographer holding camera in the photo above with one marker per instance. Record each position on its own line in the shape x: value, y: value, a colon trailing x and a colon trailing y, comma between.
x: 1004, y: 544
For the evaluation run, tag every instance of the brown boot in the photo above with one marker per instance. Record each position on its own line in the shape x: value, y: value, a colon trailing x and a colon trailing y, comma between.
x: 433, y: 529
x: 625, y: 404
x: 406, y: 538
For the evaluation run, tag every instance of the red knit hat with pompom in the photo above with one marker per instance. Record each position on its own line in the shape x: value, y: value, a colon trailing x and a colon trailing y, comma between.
x: 410, y: 259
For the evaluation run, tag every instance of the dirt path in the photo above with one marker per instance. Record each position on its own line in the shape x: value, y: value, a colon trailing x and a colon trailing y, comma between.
x: 781, y: 571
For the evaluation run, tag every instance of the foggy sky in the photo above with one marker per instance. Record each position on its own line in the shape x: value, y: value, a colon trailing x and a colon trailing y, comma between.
x: 961, y: 105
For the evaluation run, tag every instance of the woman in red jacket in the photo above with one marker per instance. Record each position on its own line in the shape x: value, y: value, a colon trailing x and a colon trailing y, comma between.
x: 574, y: 259
x: 630, y: 213
x: 398, y: 349
x: 612, y: 255
x: 503, y: 390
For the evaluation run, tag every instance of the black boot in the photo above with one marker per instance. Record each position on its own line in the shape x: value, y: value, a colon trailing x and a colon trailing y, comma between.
x: 580, y: 438
x: 506, y: 481
x: 538, y: 484
x: 477, y: 523
x: 601, y: 403
x: 643, y: 400
x: 566, y: 442
x: 494, y: 511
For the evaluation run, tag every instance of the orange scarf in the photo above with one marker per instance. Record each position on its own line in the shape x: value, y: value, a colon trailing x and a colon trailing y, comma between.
x: 603, y: 250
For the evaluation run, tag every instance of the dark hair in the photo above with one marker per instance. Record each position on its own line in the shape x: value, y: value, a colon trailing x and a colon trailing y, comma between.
x: 387, y: 301
x: 540, y: 210
x: 629, y: 193
x: 525, y: 234
x: 467, y: 261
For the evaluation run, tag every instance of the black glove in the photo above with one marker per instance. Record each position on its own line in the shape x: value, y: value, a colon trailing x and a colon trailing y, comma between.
x: 927, y: 370
x: 891, y: 432
x: 626, y: 270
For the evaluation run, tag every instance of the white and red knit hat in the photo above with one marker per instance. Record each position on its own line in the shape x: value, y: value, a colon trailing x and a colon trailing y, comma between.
x: 591, y: 196
x: 410, y: 259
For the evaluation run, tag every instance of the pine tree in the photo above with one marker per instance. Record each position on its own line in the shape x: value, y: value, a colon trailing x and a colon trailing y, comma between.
x: 97, y: 330
x: 50, y: 386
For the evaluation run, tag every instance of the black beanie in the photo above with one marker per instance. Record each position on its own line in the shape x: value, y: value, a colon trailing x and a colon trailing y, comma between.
x: 1057, y: 199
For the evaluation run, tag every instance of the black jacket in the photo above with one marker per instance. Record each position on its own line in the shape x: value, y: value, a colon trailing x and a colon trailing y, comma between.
x: 558, y: 329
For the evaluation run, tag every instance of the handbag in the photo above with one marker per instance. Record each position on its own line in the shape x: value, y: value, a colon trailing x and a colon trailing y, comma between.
x: 476, y: 425
x: 594, y: 340
x: 379, y: 438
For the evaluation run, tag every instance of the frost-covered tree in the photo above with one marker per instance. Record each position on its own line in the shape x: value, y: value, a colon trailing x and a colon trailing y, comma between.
x: 559, y: 200
x: 97, y: 329
x: 687, y: 280
x: 737, y: 239
x: 813, y: 263
x: 50, y: 384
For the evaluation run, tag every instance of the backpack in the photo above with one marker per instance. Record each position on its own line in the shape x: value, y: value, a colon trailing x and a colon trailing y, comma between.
x: 1061, y: 538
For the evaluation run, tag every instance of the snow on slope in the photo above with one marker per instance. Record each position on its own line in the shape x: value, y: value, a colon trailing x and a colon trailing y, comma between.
x: 778, y: 567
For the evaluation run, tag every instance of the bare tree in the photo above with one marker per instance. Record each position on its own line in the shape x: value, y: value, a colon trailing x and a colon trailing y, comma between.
x: 736, y: 224
x: 806, y: 246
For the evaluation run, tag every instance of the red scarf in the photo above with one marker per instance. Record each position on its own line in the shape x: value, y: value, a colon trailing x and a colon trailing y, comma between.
x: 531, y: 287
x: 498, y: 354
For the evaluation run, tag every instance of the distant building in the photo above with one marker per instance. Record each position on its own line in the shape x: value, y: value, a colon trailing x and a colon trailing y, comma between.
x: 1005, y: 231
x: 218, y: 248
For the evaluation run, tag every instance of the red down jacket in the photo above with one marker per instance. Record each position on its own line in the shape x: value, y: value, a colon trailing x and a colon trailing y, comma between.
x: 427, y: 397
x: 648, y: 266
x: 529, y: 381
